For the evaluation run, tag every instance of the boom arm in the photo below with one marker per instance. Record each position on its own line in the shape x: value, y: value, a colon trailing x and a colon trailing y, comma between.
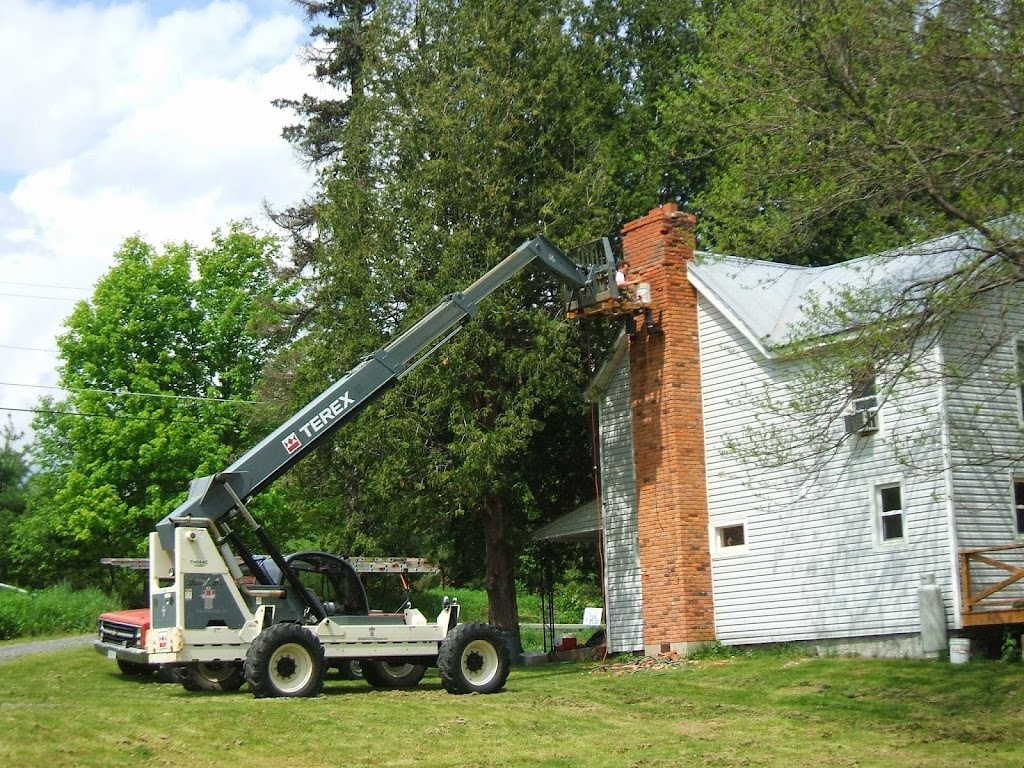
x: 208, y: 497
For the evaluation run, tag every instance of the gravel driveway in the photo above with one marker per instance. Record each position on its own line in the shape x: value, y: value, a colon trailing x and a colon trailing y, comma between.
x: 8, y: 652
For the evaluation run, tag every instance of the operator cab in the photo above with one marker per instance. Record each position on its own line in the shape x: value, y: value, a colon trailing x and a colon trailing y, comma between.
x: 332, y: 581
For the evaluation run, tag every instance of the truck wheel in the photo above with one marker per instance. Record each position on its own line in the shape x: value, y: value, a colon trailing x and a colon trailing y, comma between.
x: 350, y: 669
x: 384, y: 674
x: 212, y: 676
x: 473, y: 659
x: 285, y: 660
x: 169, y: 673
x: 134, y: 668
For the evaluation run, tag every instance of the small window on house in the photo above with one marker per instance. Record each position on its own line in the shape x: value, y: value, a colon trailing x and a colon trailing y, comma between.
x: 889, y: 501
x: 863, y: 392
x: 732, y: 535
x: 730, y: 539
x: 1018, y: 504
x: 862, y: 417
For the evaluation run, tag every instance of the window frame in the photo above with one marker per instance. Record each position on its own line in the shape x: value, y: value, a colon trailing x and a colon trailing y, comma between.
x: 879, y: 514
x: 1017, y: 504
x: 863, y: 407
x: 717, y: 531
x: 1018, y: 370
x: 864, y: 390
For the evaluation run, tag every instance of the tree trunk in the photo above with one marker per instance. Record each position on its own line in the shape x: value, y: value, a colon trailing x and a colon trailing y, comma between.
x: 502, y: 611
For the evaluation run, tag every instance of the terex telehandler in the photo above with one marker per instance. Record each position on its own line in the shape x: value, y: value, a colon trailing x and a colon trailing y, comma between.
x: 221, y: 615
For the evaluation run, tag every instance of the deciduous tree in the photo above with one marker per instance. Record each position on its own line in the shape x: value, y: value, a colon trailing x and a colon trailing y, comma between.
x: 841, y: 129
x: 159, y: 366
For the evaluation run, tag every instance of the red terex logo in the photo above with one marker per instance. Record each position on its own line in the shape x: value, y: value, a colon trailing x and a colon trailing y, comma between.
x: 291, y: 443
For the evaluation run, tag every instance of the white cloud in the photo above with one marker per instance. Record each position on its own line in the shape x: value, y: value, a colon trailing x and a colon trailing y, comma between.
x: 120, y: 120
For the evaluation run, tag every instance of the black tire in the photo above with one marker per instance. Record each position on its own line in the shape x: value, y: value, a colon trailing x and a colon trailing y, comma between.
x: 350, y: 669
x: 134, y: 668
x: 216, y: 676
x: 385, y: 674
x: 169, y: 673
x: 285, y: 660
x: 473, y: 659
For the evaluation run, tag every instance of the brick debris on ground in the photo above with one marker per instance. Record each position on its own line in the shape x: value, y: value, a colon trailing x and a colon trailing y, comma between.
x: 670, y: 660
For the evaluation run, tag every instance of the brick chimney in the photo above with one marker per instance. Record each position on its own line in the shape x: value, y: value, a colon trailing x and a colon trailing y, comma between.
x: 668, y: 438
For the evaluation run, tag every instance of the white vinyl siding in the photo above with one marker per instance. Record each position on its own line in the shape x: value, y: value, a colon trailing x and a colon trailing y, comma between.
x: 986, y: 434
x: 623, y: 597
x: 811, y: 569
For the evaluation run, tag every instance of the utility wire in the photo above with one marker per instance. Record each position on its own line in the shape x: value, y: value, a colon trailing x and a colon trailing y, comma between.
x: 28, y: 349
x: 45, y: 285
x: 119, y: 417
x: 126, y: 393
x: 32, y: 296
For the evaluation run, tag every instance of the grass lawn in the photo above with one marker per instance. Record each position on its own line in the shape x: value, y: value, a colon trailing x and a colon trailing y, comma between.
x: 73, y: 709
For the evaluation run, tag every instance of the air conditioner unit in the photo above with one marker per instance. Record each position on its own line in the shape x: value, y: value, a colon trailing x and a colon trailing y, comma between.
x: 862, y: 422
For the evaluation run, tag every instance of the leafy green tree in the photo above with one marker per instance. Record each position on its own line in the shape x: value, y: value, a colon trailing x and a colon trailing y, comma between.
x: 160, y: 367
x: 838, y: 129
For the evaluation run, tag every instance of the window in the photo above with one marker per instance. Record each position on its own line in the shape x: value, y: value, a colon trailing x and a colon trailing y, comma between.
x: 890, y: 514
x: 863, y: 413
x: 863, y: 394
x: 1018, y: 504
x: 1020, y: 383
x: 730, y: 539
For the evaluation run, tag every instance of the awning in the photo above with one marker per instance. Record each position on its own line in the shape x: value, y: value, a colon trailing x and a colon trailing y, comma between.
x: 582, y: 524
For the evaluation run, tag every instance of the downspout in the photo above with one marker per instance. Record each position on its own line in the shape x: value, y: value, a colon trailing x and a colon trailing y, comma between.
x: 947, y: 471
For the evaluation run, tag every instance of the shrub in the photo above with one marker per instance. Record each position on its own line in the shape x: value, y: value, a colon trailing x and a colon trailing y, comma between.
x: 573, y: 596
x: 55, y: 610
x: 14, y: 608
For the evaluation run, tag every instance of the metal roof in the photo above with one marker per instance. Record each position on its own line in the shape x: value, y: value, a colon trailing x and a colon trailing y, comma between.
x: 774, y: 304
x: 582, y: 524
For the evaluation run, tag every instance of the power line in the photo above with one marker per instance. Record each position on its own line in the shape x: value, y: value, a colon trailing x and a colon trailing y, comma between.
x: 127, y: 393
x: 119, y: 417
x: 32, y: 296
x: 28, y: 349
x: 45, y: 285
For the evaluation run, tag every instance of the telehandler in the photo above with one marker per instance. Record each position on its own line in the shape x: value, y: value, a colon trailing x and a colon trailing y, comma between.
x: 221, y: 615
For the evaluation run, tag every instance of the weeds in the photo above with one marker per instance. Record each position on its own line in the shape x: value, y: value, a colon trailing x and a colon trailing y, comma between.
x: 55, y: 610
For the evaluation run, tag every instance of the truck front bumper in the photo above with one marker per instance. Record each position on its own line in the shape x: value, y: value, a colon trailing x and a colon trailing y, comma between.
x: 121, y: 653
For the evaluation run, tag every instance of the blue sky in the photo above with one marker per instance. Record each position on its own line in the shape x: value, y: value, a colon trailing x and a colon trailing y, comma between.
x: 130, y: 117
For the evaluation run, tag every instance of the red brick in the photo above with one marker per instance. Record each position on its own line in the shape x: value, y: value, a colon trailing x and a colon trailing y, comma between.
x: 668, y: 436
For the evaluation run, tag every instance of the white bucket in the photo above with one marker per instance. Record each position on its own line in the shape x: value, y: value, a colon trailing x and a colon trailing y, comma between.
x: 959, y: 650
x: 643, y: 293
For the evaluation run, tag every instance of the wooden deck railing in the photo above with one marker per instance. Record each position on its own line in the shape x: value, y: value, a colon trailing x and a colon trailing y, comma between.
x: 982, y: 605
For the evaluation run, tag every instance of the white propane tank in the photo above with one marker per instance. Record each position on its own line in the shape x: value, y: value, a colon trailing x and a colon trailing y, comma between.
x: 933, y: 618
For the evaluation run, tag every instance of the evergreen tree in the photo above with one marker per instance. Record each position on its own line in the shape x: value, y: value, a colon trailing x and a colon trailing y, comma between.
x: 469, y: 127
x: 13, y: 492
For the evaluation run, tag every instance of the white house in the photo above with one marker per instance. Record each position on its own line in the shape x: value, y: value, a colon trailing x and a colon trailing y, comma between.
x: 730, y: 512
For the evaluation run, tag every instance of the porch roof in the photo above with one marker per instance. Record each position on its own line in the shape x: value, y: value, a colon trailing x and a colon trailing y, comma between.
x: 582, y: 524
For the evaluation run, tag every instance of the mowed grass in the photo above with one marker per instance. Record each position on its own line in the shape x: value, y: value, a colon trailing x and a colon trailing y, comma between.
x: 74, y: 709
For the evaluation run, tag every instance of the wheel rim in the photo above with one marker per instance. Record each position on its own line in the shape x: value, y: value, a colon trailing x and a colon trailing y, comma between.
x: 215, y: 671
x: 397, y: 670
x: 479, y: 662
x: 291, y: 668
